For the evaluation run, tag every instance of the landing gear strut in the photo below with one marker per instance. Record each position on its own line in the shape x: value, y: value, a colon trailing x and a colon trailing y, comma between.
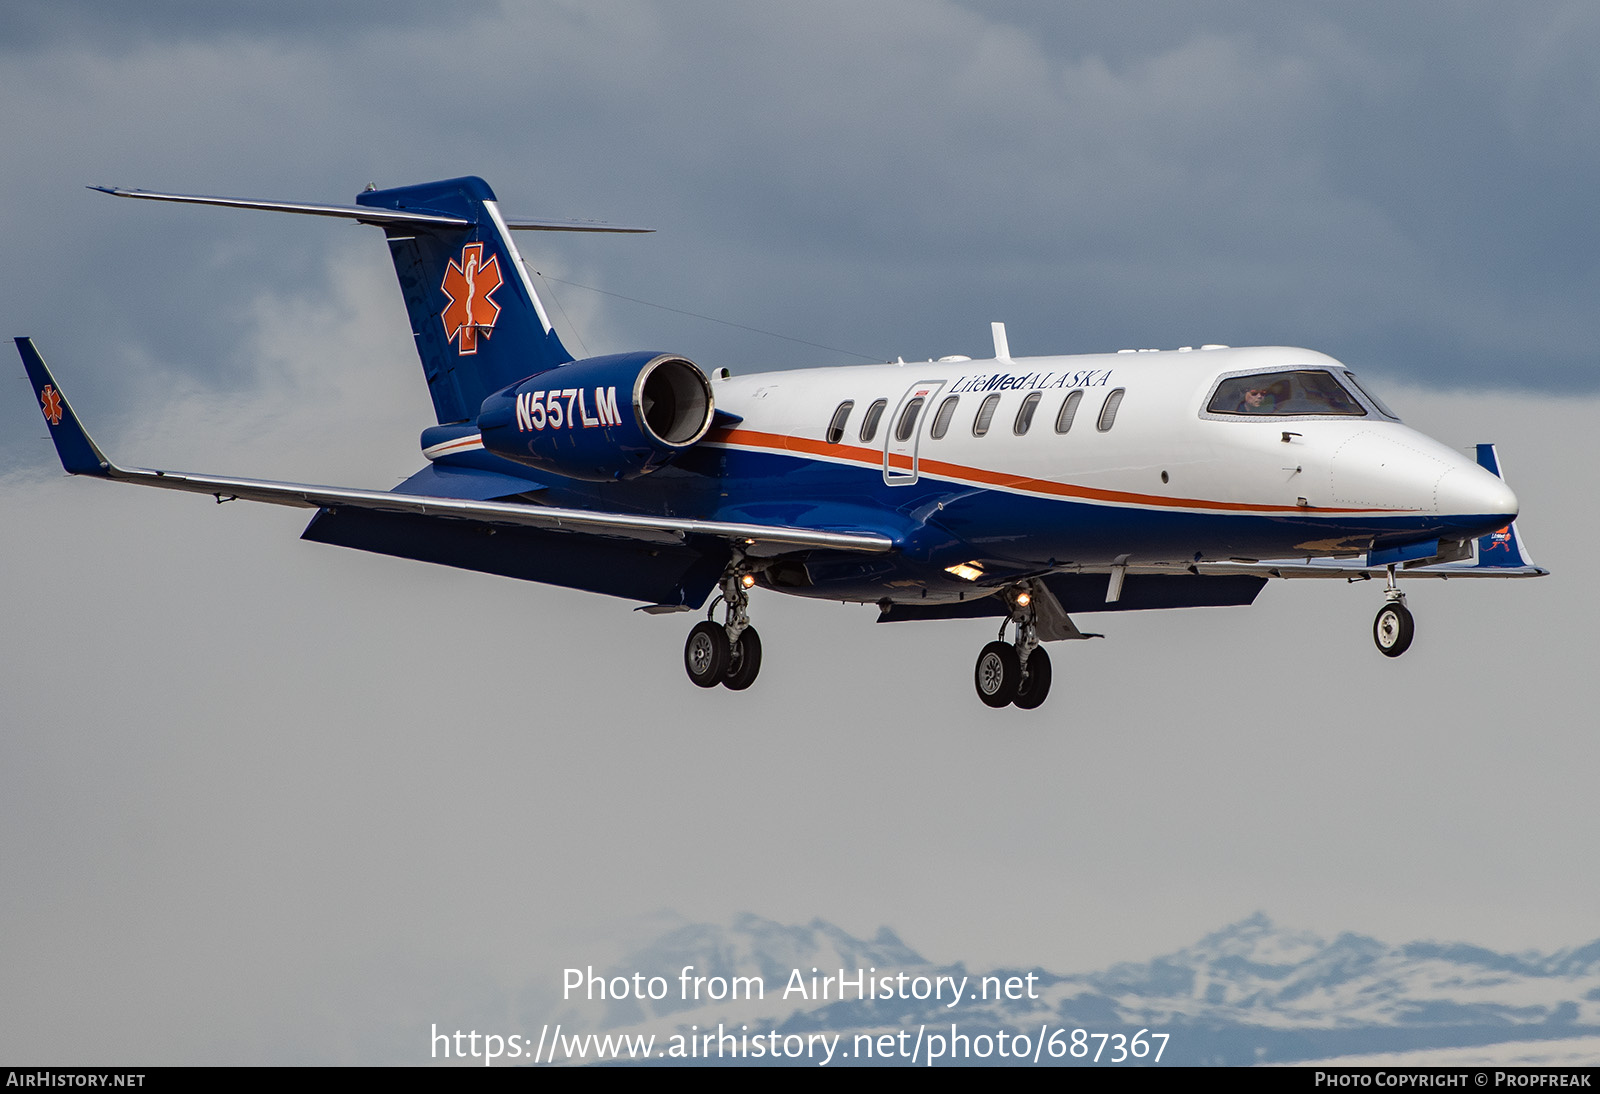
x: 726, y: 653
x: 1394, y: 628
x: 1016, y: 672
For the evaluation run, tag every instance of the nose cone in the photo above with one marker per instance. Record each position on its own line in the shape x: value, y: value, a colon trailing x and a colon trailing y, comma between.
x: 1467, y: 490
x: 1395, y: 468
x: 1398, y: 468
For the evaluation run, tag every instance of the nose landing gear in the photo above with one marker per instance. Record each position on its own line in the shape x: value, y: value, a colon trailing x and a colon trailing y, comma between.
x: 726, y: 653
x: 1017, y: 672
x: 1393, y: 628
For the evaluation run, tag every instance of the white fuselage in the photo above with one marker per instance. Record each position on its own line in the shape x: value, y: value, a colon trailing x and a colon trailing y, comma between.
x: 1169, y: 450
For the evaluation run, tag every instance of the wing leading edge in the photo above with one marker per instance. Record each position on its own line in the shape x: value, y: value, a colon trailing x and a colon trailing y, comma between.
x: 1320, y: 567
x: 81, y: 456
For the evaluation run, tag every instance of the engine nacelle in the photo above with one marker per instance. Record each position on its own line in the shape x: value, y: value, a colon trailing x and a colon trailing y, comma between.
x: 602, y: 418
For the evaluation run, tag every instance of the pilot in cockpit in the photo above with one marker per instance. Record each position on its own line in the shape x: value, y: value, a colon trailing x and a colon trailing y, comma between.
x: 1261, y: 400
x: 1254, y: 401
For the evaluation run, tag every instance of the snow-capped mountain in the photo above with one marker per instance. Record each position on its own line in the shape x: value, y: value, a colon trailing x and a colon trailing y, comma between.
x: 1251, y: 992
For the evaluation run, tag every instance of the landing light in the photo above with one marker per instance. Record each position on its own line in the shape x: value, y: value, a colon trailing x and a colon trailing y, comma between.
x: 748, y: 581
x: 1023, y: 600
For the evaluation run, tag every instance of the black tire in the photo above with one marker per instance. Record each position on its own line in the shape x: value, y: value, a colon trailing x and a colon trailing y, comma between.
x: 744, y: 661
x: 1393, y: 630
x: 997, y: 674
x: 705, y: 654
x: 1035, y: 687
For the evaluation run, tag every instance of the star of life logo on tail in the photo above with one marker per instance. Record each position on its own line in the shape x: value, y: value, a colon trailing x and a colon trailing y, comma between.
x: 470, y: 285
x: 50, y: 400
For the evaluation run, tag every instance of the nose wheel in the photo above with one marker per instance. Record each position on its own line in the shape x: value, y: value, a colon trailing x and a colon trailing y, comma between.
x: 1016, y: 672
x: 1393, y: 628
x: 726, y: 653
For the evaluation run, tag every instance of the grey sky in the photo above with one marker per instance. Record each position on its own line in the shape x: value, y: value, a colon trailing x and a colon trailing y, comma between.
x: 264, y: 800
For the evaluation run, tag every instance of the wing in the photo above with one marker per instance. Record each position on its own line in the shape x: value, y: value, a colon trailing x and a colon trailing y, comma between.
x: 81, y: 456
x: 1360, y: 571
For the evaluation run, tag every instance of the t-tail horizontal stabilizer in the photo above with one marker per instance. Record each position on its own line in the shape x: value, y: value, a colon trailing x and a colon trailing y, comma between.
x: 477, y: 322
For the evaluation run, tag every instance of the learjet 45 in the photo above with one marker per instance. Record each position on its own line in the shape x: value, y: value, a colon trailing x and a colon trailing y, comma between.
x: 1024, y: 490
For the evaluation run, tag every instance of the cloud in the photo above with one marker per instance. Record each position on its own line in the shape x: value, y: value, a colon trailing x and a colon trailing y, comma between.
x: 234, y: 761
x: 30, y: 25
x: 885, y: 179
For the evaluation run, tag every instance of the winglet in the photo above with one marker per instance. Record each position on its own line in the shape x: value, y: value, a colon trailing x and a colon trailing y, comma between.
x: 78, y: 453
x: 1489, y: 460
x: 1502, y: 549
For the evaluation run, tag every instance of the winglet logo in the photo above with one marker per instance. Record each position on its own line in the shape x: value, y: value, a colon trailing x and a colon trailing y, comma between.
x: 50, y: 399
x: 470, y: 284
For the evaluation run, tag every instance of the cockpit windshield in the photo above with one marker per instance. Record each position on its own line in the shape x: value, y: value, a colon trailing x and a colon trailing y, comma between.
x: 1283, y: 394
x: 1371, y: 398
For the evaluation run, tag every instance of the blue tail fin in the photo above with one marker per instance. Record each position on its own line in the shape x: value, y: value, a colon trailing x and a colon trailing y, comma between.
x: 476, y: 319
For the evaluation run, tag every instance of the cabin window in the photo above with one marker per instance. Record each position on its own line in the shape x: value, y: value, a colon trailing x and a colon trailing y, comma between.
x: 869, y: 424
x: 1285, y: 394
x: 908, y: 419
x: 980, y: 424
x: 941, y: 420
x: 1069, y: 410
x: 1025, y: 414
x: 840, y: 417
x: 1108, y: 410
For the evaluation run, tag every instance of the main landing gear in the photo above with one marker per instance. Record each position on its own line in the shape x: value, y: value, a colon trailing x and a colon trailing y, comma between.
x: 726, y: 653
x: 1017, y: 672
x: 1394, y: 628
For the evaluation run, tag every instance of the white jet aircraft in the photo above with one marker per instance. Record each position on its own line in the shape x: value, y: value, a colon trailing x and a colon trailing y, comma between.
x: 1020, y: 489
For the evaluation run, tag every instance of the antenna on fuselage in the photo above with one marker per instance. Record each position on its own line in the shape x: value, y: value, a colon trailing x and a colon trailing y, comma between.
x: 1002, y: 349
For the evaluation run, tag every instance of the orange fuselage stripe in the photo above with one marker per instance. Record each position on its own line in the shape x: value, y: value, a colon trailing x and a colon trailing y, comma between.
x: 751, y: 438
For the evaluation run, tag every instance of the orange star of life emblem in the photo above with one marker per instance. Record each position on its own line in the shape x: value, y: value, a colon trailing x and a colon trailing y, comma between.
x: 50, y: 399
x: 469, y: 284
